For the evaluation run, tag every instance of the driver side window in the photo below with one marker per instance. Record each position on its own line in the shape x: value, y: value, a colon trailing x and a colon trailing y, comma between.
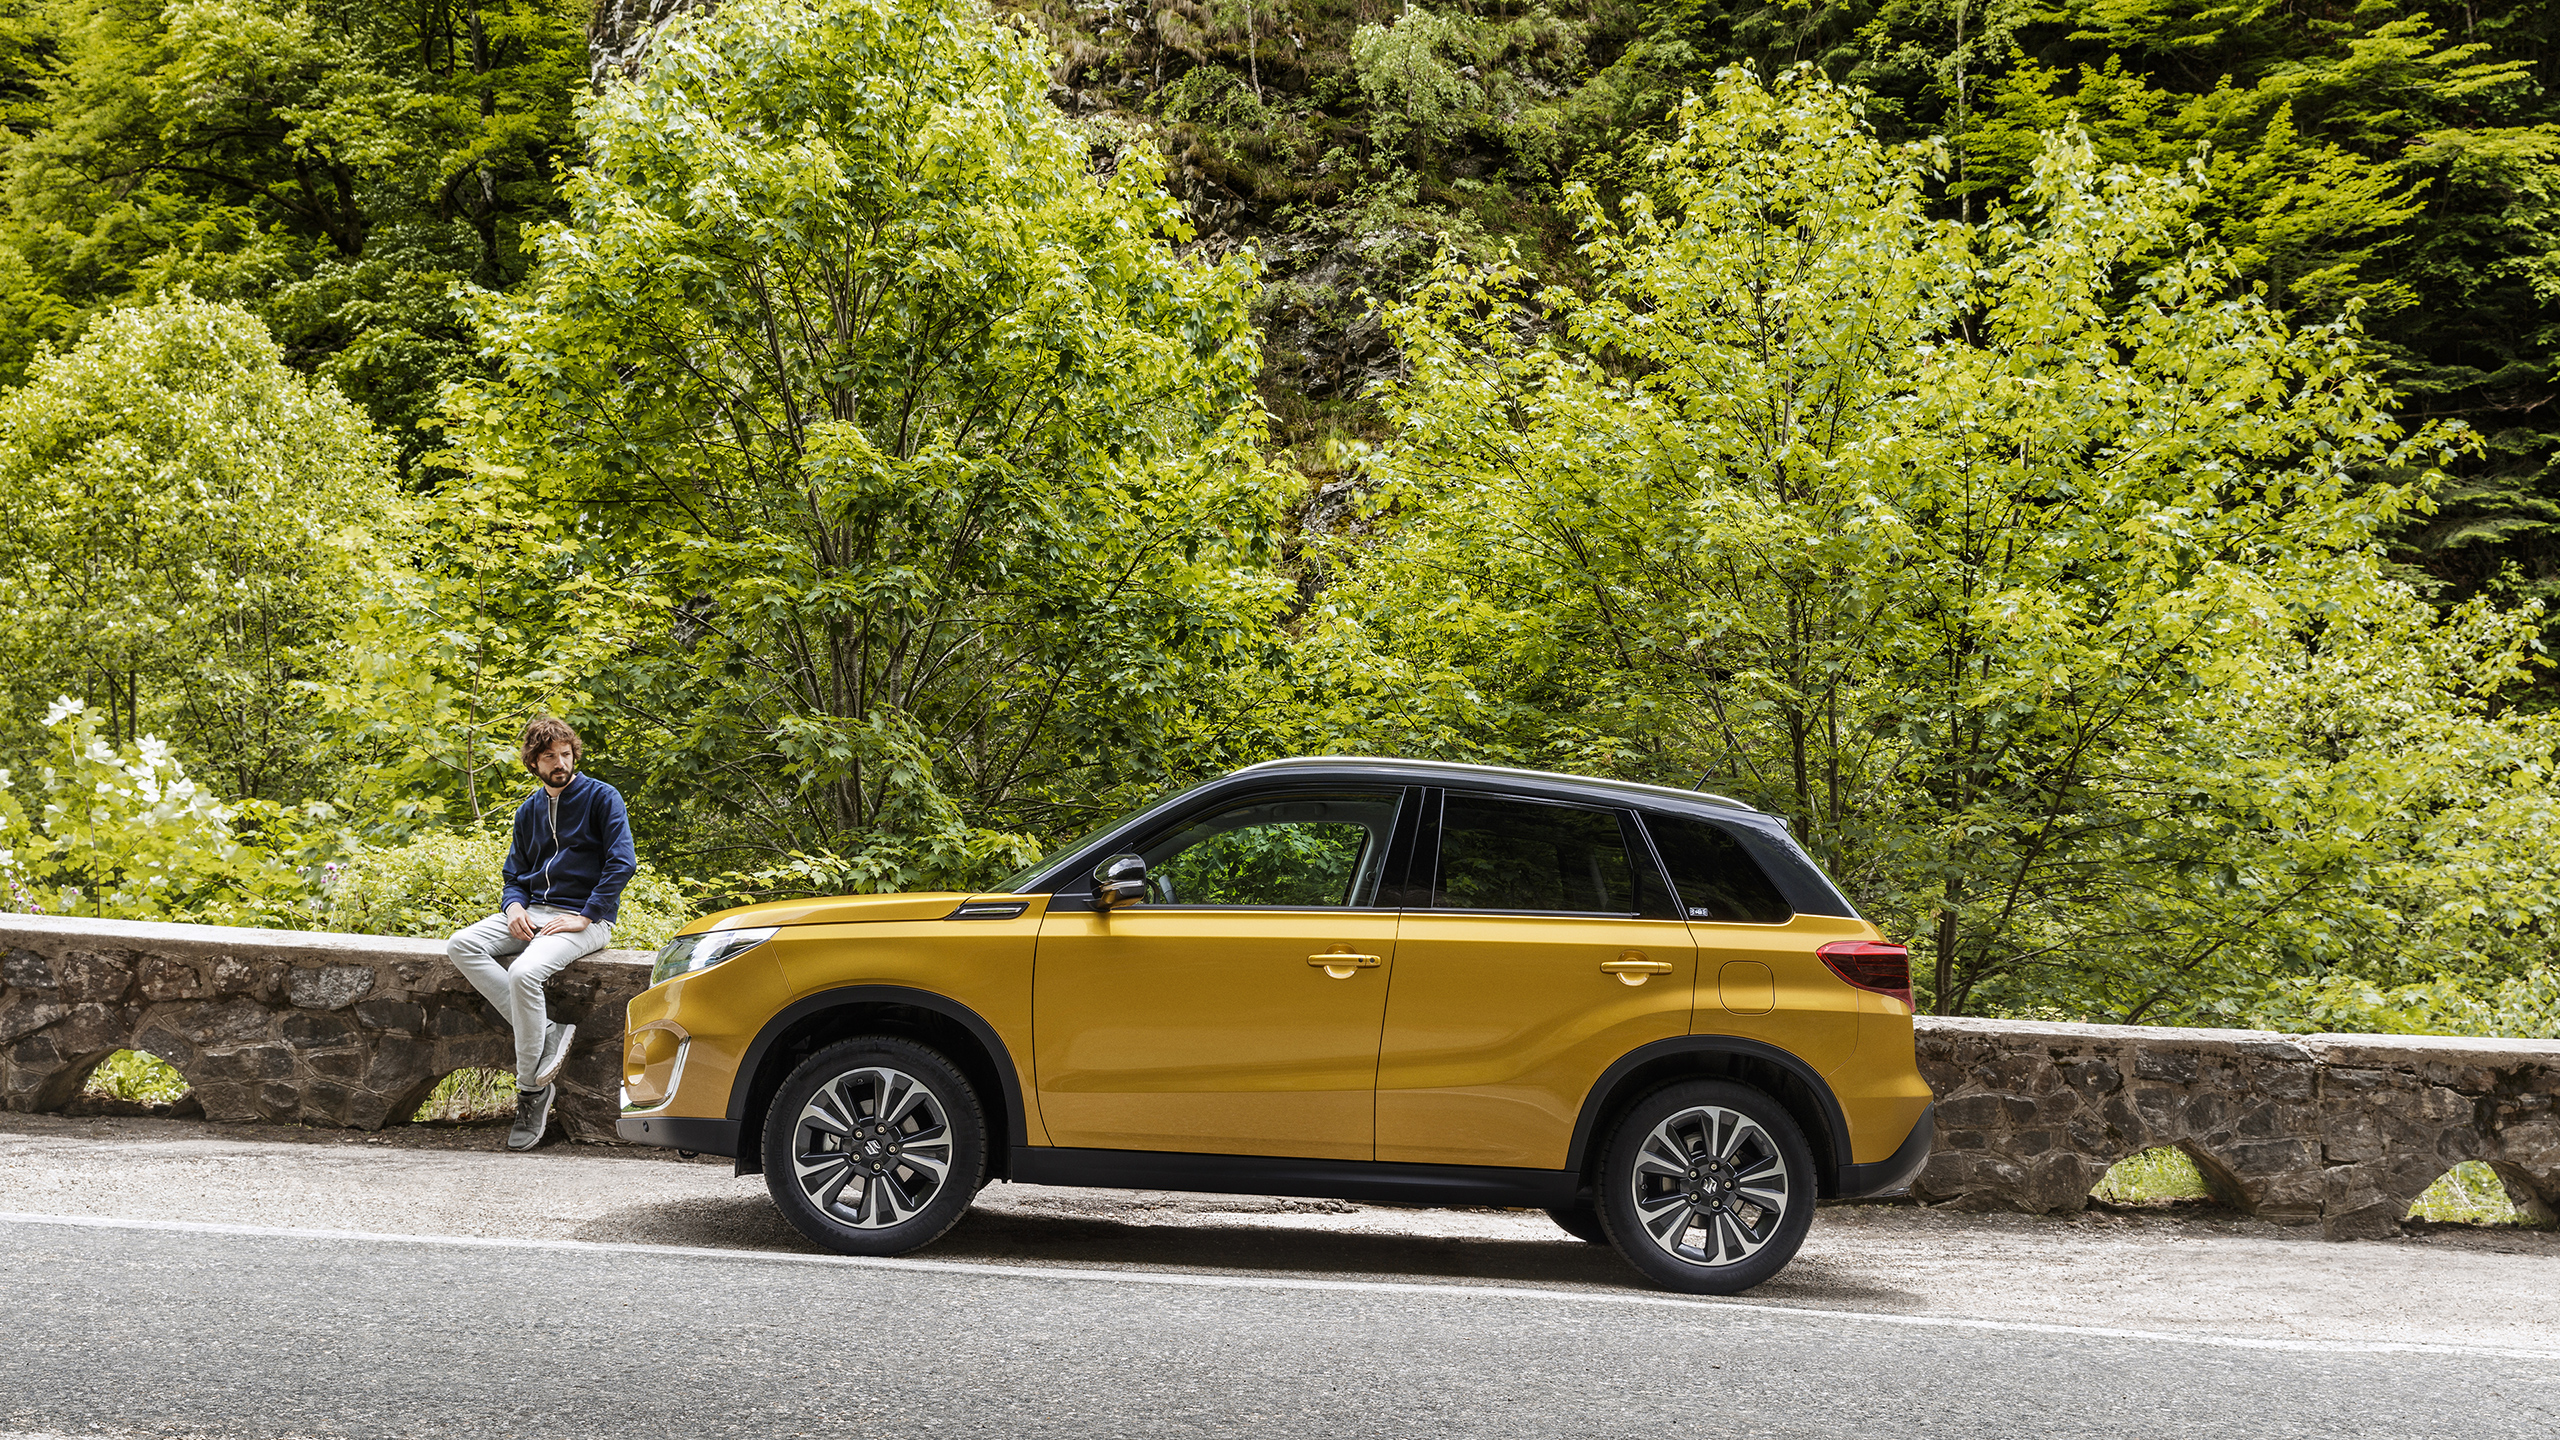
x: 1304, y: 849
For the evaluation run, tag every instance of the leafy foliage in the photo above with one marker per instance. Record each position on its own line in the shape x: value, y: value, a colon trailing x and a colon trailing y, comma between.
x: 138, y: 1076
x: 872, y: 466
x: 335, y: 166
x: 2525, y: 1004
x: 443, y: 880
x: 2032, y: 568
x: 895, y: 468
x: 184, y: 517
x: 120, y: 832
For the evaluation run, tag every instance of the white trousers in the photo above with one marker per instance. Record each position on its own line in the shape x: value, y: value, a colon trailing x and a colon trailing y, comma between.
x: 481, y: 951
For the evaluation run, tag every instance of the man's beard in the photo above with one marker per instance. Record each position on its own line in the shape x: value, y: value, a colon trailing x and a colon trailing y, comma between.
x: 560, y: 776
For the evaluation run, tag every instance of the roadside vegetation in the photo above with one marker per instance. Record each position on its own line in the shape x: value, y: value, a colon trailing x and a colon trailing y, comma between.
x: 2086, y: 466
x: 468, y: 1096
x: 2468, y: 1194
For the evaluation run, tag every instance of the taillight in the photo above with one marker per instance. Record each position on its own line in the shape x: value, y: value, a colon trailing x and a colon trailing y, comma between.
x: 1885, y: 969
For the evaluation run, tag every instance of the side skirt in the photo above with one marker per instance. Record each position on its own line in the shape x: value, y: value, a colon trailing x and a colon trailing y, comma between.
x: 1392, y: 1183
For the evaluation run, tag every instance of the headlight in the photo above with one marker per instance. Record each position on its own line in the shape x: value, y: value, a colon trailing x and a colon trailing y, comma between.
x: 687, y: 953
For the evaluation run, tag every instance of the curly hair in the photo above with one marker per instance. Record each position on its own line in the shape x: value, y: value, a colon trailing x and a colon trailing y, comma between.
x: 546, y: 732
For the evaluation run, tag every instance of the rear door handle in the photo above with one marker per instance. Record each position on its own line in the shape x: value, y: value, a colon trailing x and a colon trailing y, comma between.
x: 1633, y: 968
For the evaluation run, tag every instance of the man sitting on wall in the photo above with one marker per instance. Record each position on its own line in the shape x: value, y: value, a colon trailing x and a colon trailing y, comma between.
x: 563, y: 882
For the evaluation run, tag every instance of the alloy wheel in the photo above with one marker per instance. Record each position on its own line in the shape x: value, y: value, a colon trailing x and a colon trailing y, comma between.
x: 1710, y: 1186
x: 872, y: 1147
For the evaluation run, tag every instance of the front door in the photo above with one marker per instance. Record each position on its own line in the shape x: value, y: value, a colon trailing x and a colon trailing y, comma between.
x: 1548, y: 950
x: 1236, y: 1010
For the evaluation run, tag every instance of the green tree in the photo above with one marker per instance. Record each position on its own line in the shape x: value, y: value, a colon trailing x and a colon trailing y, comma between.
x: 185, y: 520
x: 2032, y: 570
x: 336, y: 167
x: 893, y: 466
x: 2403, y: 157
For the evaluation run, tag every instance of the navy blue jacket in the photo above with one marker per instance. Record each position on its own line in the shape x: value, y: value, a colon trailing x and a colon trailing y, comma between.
x: 575, y: 858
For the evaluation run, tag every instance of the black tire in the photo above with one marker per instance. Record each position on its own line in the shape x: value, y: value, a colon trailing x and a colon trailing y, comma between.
x: 916, y: 1111
x: 1707, y: 1187
x: 1582, y: 1222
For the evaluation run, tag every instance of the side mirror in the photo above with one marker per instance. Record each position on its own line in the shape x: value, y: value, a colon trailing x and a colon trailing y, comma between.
x: 1120, y: 880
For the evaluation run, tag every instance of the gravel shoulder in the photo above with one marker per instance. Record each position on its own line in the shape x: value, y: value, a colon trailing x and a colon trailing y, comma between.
x: 2178, y: 1271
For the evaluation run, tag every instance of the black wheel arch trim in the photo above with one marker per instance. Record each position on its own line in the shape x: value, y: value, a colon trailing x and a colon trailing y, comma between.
x: 1605, y: 1093
x: 742, y: 1088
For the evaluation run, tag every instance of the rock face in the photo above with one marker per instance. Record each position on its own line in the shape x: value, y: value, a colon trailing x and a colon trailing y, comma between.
x: 2343, y: 1131
x: 618, y: 36
x: 282, y: 1025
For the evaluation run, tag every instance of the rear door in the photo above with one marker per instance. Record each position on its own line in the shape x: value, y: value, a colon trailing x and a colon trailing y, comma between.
x: 1544, y: 948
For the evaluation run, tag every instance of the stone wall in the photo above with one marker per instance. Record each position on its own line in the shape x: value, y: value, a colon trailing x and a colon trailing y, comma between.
x: 2342, y: 1131
x: 283, y: 1025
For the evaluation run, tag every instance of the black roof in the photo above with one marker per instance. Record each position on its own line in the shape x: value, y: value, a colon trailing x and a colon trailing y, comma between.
x: 1458, y: 773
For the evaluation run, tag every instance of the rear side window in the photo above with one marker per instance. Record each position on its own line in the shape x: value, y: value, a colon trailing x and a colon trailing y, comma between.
x: 1716, y: 877
x: 1498, y: 854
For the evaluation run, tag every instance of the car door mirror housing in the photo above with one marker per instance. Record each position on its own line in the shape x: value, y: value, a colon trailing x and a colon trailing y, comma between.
x: 1120, y: 880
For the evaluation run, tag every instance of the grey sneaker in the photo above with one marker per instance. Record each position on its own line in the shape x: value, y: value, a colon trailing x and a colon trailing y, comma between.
x: 533, y: 1117
x: 555, y: 1049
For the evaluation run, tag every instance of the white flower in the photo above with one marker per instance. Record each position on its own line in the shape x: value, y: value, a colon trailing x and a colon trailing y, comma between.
x: 66, y: 706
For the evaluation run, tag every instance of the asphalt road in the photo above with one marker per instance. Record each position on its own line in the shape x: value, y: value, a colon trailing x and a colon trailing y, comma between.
x: 163, y: 1278
x: 124, y: 1327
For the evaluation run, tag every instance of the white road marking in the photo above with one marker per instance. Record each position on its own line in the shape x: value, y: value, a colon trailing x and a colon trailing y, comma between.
x: 1103, y: 1276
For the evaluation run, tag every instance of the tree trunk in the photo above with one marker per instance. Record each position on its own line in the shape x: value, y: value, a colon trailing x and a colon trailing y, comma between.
x: 1942, y: 996
x: 619, y: 35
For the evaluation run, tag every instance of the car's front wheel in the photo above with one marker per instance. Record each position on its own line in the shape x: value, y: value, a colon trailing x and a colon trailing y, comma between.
x: 1708, y: 1187
x: 874, y: 1146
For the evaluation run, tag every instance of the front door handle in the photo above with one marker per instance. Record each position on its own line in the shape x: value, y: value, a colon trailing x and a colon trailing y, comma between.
x: 1341, y: 961
x: 1633, y: 969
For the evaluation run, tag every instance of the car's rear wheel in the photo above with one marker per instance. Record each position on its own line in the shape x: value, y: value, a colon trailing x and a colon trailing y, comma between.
x: 1708, y: 1187
x: 874, y: 1146
x: 1582, y: 1222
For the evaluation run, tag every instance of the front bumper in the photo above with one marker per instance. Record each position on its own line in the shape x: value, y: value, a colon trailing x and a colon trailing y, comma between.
x: 681, y: 1132
x: 1889, y: 1176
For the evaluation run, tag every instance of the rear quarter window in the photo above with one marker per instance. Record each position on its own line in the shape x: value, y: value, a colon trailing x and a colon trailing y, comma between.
x: 1715, y: 874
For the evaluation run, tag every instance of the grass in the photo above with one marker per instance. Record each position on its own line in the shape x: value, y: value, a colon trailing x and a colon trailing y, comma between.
x: 138, y: 1076
x: 479, y: 1093
x: 2468, y: 1194
x: 2153, y: 1177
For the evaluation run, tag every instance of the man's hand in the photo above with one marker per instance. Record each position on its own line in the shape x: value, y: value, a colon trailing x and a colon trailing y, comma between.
x: 519, y: 924
x: 566, y: 925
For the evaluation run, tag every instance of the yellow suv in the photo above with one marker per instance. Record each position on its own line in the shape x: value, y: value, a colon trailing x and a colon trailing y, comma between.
x: 1641, y: 1009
